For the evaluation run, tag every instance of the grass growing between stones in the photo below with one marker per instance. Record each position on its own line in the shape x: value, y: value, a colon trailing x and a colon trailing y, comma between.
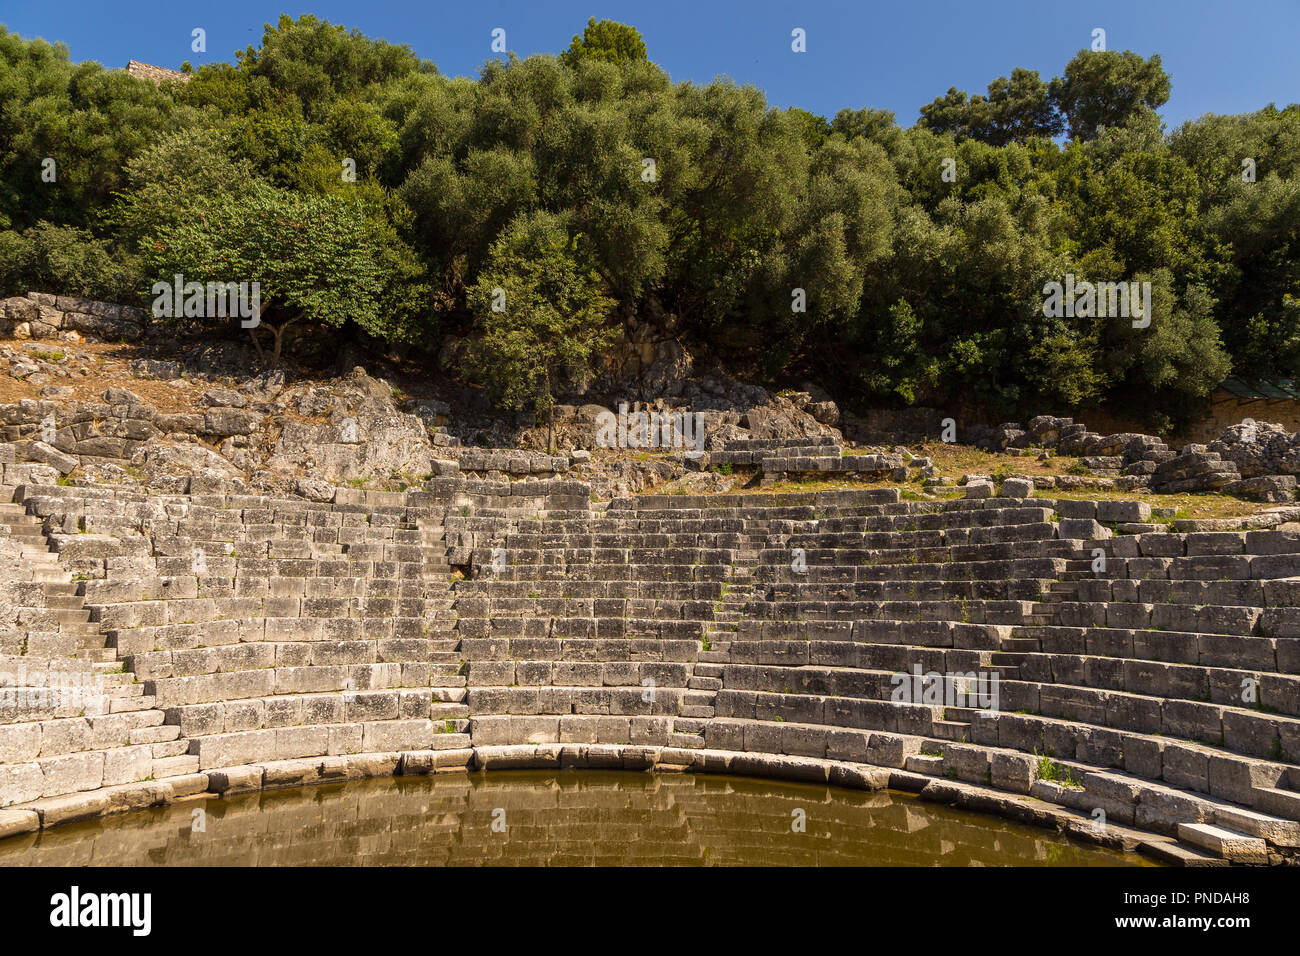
x: 1053, y: 772
x: 1197, y: 506
x: 955, y: 461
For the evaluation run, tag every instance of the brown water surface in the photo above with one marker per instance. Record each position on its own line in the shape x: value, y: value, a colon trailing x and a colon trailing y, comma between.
x: 576, y: 817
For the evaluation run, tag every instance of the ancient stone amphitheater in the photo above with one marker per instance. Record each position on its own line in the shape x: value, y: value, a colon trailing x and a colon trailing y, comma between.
x: 1148, y: 682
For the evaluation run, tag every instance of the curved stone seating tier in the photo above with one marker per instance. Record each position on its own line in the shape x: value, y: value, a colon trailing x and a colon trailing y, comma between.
x: 719, y: 629
x: 1233, y: 726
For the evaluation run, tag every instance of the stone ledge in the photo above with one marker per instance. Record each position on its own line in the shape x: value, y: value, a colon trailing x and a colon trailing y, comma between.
x: 304, y: 772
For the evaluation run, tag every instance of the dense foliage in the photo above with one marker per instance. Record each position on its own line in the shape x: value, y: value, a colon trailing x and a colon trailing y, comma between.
x: 894, y: 265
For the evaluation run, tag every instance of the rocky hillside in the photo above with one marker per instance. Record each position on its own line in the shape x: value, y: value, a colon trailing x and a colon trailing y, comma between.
x: 91, y: 387
x: 94, y: 391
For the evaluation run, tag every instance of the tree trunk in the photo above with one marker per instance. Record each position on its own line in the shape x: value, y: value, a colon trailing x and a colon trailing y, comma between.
x: 278, y: 331
x: 261, y: 355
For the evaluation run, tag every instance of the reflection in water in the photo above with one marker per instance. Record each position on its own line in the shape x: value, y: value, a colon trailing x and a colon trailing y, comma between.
x: 556, y: 819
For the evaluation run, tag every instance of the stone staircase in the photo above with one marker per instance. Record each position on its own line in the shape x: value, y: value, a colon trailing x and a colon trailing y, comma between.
x: 79, y: 638
x: 446, y: 672
x: 698, y: 704
x: 65, y: 597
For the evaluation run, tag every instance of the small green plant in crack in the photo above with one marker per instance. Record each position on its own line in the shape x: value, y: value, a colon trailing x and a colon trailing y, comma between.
x: 1053, y: 772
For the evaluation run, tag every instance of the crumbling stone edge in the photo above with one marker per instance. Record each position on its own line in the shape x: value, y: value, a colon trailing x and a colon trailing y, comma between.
x: 308, y: 771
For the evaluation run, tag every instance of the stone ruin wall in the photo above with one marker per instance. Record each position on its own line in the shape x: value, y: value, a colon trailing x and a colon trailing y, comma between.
x: 239, y: 628
x: 251, y: 641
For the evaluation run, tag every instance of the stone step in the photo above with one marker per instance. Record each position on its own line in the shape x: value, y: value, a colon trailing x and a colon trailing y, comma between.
x: 53, y: 574
x: 1229, y: 844
x: 124, y: 705
x: 1182, y: 854
x: 1274, y: 830
x: 1284, y: 803
x: 177, y: 766
x: 696, y: 710
x: 704, y: 683
x: 688, y: 741
x: 1021, y: 644
x: 924, y: 763
x: 954, y: 730
x: 22, y: 526
x: 161, y: 734
x: 448, y: 711
x: 170, y: 748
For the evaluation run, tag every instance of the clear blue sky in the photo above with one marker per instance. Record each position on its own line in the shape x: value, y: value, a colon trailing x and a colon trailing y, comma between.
x: 1224, y: 57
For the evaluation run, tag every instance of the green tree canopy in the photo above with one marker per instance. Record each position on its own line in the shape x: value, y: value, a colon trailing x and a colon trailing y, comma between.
x: 1104, y: 88
x: 605, y: 40
x: 540, y: 313
x: 900, y: 265
x: 314, y: 258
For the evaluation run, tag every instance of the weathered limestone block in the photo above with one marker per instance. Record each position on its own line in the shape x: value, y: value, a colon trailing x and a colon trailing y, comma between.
x: 1017, y: 488
x: 1084, y: 529
x: 72, y: 773
x: 230, y: 421
x: 20, y: 783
